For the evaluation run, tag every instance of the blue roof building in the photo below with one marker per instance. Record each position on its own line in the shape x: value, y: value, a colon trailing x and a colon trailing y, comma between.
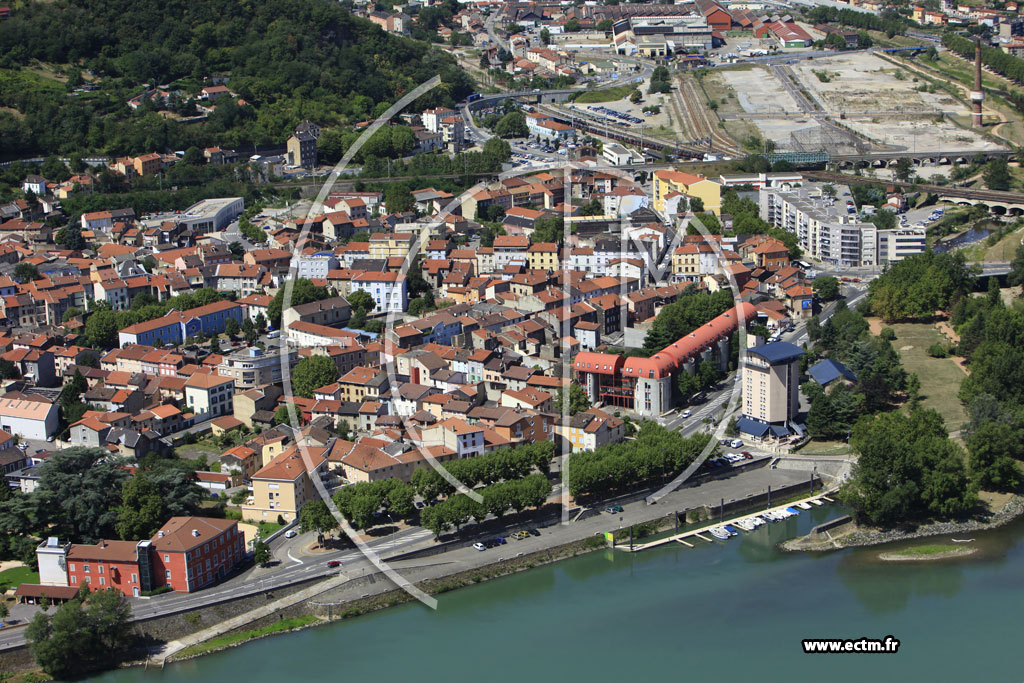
x: 827, y: 371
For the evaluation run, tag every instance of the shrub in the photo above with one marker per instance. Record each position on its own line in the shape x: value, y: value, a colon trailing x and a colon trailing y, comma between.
x: 937, y: 351
x: 888, y: 334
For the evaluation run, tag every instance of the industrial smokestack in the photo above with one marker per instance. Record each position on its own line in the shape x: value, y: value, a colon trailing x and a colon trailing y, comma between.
x: 977, y: 95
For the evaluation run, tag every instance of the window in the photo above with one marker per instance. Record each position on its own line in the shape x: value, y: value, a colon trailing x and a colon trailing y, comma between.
x: 74, y: 579
x: 103, y: 581
x: 167, y: 574
x: 71, y: 567
x: 85, y: 568
x: 167, y: 558
x: 135, y: 578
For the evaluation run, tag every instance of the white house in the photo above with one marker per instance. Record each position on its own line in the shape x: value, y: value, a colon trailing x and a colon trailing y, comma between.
x: 28, y: 416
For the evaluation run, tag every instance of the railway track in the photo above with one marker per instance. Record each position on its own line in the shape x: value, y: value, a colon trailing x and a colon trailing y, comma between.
x: 701, y: 123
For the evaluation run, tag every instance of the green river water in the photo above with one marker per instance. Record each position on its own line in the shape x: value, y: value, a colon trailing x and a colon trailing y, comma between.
x: 728, y: 611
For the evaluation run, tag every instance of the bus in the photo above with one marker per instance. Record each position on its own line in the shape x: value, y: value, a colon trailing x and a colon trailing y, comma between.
x: 473, y: 97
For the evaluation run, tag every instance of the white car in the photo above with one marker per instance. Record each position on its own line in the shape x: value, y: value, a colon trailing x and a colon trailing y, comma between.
x: 291, y: 533
x: 687, y: 413
x: 480, y: 546
x: 736, y: 443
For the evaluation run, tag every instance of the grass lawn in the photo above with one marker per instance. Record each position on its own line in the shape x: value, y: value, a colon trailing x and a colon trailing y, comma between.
x: 267, y: 528
x: 940, y: 377
x: 194, y: 450
x: 231, y: 639
x: 605, y: 95
x: 14, y: 577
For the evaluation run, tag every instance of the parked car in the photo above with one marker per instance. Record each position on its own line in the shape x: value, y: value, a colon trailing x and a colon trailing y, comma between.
x: 613, y: 509
x: 736, y: 443
x: 479, y: 546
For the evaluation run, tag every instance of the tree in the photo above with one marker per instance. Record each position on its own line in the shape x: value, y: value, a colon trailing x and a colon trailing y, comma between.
x: 549, y: 229
x: 261, y: 553
x: 26, y: 272
x: 572, y: 26
x: 993, y: 448
x: 997, y: 175
x: 84, y: 635
x: 604, y: 25
x: 904, y: 169
x: 578, y: 400
x: 316, y: 516
x: 512, y: 125
x: 907, y: 469
x: 312, y: 373
x: 282, y: 416
x: 231, y: 327
x: 101, y: 329
x: 141, y: 512
x: 826, y: 287
x: 884, y: 219
x: 545, y: 36
x: 361, y: 303
x: 70, y: 237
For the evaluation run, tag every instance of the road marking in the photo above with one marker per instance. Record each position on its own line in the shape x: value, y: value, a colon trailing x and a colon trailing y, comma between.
x: 294, y: 559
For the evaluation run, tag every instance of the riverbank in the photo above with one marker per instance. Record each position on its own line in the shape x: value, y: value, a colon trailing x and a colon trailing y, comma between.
x: 852, y: 535
x: 315, y: 613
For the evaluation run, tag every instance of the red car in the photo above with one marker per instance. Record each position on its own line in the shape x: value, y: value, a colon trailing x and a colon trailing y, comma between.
x: 333, y: 563
x: 747, y: 455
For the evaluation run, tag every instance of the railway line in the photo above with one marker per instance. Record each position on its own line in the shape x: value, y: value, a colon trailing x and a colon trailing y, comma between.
x: 688, y: 97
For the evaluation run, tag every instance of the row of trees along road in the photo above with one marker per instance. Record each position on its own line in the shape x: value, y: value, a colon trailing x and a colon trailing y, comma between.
x: 512, y: 475
x: 656, y: 452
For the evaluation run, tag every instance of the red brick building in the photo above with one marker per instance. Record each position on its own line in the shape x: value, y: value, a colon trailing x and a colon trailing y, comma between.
x: 190, y: 553
x: 187, y: 554
x: 108, y: 564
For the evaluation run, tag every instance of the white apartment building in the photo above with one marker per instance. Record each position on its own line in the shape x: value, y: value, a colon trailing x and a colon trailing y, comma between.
x: 315, y: 265
x: 387, y: 289
x: 830, y: 230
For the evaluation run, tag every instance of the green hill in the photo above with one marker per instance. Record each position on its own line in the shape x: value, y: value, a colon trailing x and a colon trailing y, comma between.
x: 290, y: 60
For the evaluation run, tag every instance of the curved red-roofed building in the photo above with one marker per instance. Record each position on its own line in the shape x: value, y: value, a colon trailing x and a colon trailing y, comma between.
x: 646, y: 385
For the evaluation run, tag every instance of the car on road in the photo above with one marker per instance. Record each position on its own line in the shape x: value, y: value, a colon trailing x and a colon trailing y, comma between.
x: 613, y: 509
x: 291, y: 533
x: 333, y: 563
x: 479, y: 546
x: 687, y: 413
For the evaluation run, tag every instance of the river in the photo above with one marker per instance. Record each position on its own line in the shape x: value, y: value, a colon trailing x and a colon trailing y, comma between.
x: 727, y: 611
